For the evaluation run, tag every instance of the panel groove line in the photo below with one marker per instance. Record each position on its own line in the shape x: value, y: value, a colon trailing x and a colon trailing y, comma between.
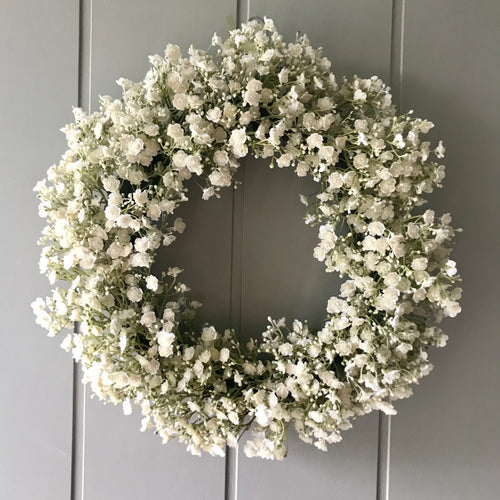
x: 236, y: 284
x: 237, y: 211
x: 396, y: 82
x: 397, y: 51
x: 79, y: 390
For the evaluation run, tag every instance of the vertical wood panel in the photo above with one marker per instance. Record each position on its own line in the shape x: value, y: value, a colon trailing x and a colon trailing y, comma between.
x: 280, y: 276
x: 446, y: 441
x: 38, y: 86
x: 120, y: 462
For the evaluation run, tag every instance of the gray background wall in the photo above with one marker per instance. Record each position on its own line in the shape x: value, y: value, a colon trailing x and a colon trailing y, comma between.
x: 442, y: 60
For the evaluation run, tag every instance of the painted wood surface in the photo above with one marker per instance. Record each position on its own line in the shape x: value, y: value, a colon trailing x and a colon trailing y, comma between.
x: 249, y: 255
x: 446, y: 438
x: 38, y: 86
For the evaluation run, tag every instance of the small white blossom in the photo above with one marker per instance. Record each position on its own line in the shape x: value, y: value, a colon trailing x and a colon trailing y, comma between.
x: 314, y: 141
x: 336, y: 305
x: 419, y: 264
x: 224, y: 354
x: 111, y: 183
x: 208, y: 334
x: 359, y: 95
x: 148, y: 318
x: 263, y: 415
x: 112, y: 213
x: 134, y: 294
x: 152, y: 283
x: 127, y: 407
x: 179, y: 225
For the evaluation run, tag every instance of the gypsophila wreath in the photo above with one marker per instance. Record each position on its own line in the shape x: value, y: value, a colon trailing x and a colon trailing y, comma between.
x: 110, y: 204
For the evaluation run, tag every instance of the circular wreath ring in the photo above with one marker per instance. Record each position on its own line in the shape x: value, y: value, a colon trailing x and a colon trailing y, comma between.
x: 110, y: 204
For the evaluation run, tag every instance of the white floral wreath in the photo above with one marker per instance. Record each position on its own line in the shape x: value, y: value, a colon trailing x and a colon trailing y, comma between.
x: 110, y: 205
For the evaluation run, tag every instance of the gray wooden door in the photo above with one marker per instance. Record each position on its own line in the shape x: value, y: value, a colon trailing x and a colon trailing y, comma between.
x: 442, y: 61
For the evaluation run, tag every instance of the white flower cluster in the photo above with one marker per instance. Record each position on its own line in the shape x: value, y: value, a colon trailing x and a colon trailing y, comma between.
x: 110, y: 204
